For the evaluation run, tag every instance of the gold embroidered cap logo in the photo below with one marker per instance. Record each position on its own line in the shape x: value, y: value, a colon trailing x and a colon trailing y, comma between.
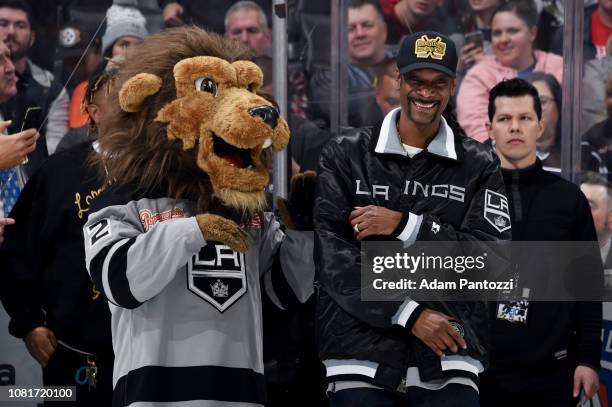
x: 426, y: 47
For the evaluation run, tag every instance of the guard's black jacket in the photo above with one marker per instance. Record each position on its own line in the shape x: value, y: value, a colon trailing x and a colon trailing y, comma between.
x: 442, y: 193
x: 545, y: 207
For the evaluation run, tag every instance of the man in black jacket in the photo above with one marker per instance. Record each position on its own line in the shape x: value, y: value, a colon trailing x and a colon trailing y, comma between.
x: 63, y: 319
x: 414, y: 177
x: 553, y: 352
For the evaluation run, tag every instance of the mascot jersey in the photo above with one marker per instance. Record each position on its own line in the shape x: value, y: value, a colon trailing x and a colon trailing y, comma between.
x: 186, y: 313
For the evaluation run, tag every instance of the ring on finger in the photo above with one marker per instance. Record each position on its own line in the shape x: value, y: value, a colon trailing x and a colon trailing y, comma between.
x: 356, y: 228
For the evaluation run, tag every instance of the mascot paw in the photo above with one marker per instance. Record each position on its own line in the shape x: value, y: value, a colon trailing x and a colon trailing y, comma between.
x: 217, y: 228
x: 296, y: 212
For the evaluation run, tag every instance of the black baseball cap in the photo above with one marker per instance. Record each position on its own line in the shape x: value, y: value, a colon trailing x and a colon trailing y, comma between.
x: 427, y: 49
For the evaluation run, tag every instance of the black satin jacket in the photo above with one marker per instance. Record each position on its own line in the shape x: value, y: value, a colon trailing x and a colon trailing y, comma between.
x: 443, y: 193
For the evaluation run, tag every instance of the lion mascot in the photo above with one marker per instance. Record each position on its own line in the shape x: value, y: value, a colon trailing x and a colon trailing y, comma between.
x: 179, y: 242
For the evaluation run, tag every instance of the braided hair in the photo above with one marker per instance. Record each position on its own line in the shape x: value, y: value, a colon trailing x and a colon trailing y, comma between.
x: 451, y: 119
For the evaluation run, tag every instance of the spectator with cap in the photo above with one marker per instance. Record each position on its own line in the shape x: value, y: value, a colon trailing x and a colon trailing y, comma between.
x: 36, y: 86
x: 125, y: 28
x: 81, y: 54
x: 387, y: 89
x: 408, y: 353
x: 387, y: 93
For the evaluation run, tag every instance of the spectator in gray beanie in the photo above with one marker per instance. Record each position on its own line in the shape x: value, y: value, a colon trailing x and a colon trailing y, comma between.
x: 125, y: 27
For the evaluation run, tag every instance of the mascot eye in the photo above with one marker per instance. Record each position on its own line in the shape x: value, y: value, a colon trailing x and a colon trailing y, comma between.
x: 206, y: 85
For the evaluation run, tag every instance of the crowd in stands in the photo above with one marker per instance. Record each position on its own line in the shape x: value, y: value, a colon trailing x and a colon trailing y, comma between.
x: 496, y: 39
x: 60, y: 57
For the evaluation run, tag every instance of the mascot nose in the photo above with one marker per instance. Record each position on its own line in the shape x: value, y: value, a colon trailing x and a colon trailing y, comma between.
x: 267, y: 113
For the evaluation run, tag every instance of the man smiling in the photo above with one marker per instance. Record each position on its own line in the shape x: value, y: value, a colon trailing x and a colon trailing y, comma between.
x: 367, y: 33
x: 404, y: 353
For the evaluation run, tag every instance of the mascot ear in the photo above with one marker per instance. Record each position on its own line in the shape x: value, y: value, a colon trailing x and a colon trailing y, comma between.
x: 136, y: 89
x: 249, y: 75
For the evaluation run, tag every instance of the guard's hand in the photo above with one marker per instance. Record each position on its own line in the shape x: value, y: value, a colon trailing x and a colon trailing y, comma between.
x: 373, y: 220
x: 586, y: 378
x: 469, y: 55
x: 3, y: 222
x: 41, y: 344
x: 432, y: 327
x: 296, y: 211
x: 172, y: 14
x: 14, y: 148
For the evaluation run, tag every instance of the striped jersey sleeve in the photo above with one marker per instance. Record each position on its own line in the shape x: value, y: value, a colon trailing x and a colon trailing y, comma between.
x: 131, y: 265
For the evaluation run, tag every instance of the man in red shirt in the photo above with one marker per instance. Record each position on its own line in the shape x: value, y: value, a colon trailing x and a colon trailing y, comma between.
x: 597, y: 30
x: 601, y: 27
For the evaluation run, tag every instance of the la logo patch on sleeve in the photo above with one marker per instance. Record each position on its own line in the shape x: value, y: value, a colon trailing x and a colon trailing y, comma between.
x: 217, y: 274
x: 496, y: 210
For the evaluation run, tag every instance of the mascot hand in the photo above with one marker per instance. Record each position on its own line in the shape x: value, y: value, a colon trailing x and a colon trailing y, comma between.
x: 296, y: 212
x: 215, y: 227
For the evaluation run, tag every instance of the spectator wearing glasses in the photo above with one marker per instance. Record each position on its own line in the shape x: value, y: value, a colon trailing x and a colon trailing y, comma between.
x: 548, y: 147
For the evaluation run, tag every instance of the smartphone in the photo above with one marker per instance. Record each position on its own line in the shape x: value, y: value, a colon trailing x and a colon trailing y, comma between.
x: 31, y: 120
x: 475, y: 37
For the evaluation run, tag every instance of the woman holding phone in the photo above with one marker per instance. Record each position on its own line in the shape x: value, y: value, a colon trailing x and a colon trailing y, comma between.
x: 474, y: 41
x: 513, y: 32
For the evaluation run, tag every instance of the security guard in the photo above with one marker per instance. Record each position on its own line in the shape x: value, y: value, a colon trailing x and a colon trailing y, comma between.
x: 543, y: 353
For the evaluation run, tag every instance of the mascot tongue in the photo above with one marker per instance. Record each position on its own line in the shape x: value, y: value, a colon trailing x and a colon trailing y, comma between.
x: 235, y: 159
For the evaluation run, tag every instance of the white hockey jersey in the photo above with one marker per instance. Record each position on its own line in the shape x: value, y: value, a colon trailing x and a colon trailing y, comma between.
x: 186, y: 313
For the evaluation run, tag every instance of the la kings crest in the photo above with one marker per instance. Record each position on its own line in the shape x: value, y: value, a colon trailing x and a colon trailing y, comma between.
x: 496, y: 210
x: 217, y: 274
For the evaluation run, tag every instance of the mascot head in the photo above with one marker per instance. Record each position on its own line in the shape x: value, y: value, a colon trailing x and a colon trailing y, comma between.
x: 187, y: 118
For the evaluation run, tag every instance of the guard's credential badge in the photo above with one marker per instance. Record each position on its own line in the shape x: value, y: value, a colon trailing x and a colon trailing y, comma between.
x: 496, y: 210
x: 217, y: 274
x: 426, y: 47
x: 514, y: 311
